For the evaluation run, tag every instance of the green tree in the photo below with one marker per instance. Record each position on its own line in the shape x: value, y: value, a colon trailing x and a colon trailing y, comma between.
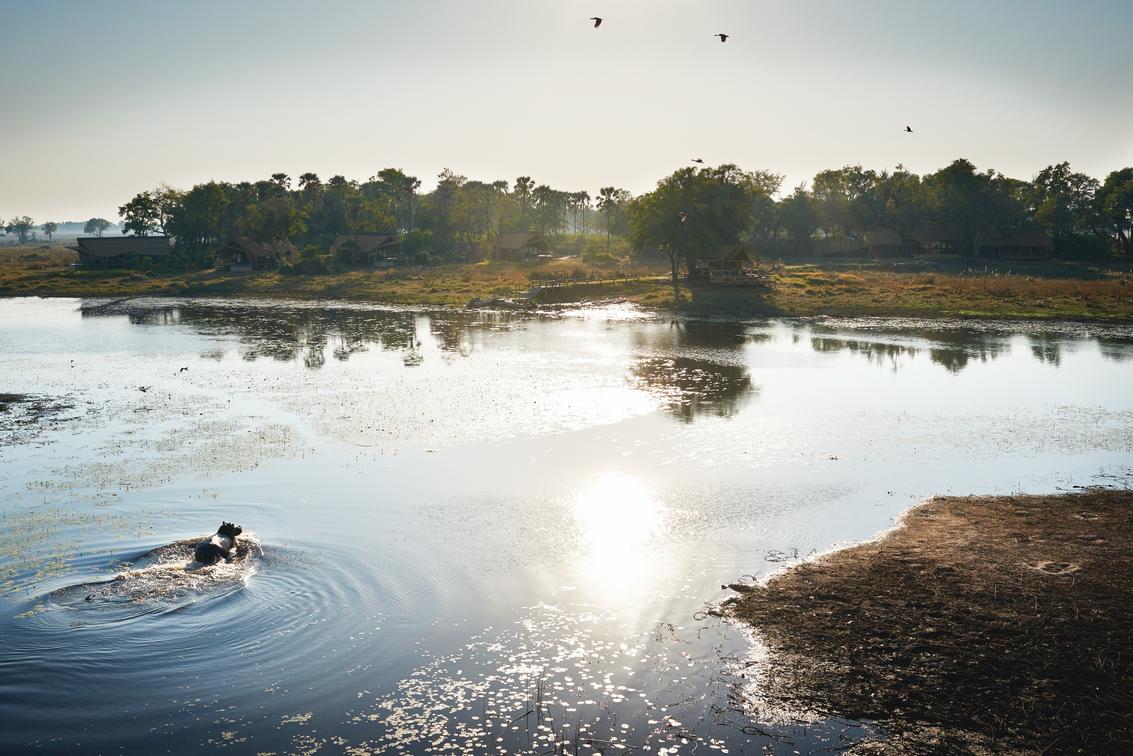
x: 199, y: 217
x: 975, y: 204
x: 310, y: 190
x: 308, y: 180
x: 904, y: 206
x: 403, y: 188
x: 612, y: 203
x: 845, y: 200
x: 272, y: 220
x: 96, y: 226
x: 22, y: 226
x: 1062, y: 202
x: 50, y: 228
x: 549, y: 207
x: 149, y: 212
x: 1114, y: 205
x: 522, y: 192
x: 691, y: 212
x: 798, y: 215
x: 443, y: 204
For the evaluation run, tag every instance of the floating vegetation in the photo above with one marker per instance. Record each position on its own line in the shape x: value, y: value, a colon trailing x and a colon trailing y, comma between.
x: 26, y: 417
x: 560, y: 681
x: 34, y: 544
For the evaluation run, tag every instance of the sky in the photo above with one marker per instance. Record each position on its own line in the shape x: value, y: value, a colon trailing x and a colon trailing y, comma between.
x: 103, y: 99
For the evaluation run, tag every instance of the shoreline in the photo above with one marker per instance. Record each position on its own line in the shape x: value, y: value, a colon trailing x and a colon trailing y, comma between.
x: 1074, y: 294
x: 734, y: 309
x: 984, y: 624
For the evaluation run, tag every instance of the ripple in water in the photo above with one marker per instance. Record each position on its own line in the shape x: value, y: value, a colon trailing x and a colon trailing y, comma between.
x: 164, y: 579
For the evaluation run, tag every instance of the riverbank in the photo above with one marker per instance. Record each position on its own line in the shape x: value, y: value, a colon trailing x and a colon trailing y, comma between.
x: 796, y: 289
x: 980, y: 624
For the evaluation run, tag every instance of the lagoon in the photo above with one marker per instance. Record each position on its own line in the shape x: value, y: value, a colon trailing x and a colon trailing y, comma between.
x: 479, y: 531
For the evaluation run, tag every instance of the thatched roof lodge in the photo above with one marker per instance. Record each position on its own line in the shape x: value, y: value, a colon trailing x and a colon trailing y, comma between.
x: 721, y: 265
x: 883, y: 242
x: 937, y: 237
x: 98, y: 252
x: 241, y: 255
x: 378, y: 250
x: 519, y: 245
x: 1021, y: 244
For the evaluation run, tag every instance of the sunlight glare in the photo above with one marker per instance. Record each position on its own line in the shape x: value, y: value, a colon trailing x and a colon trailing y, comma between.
x: 618, y: 518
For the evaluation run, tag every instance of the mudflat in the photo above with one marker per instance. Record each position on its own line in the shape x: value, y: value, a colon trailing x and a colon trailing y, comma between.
x: 979, y: 624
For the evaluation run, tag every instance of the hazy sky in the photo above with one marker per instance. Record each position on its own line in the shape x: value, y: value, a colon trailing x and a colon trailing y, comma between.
x: 105, y: 98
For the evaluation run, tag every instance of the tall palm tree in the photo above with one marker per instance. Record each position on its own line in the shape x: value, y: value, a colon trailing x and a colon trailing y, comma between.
x: 607, y: 200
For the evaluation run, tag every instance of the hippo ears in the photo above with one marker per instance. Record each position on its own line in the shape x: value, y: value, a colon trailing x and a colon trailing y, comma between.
x: 229, y: 529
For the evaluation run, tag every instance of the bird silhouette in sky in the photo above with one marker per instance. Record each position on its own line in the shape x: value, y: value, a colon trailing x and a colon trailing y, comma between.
x: 909, y: 129
x: 182, y: 370
x: 697, y: 160
x: 597, y: 21
x: 143, y: 389
x: 723, y: 37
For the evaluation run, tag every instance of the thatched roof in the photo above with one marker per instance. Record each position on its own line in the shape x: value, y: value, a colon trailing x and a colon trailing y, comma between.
x: 367, y: 243
x: 935, y: 233
x: 518, y: 240
x: 882, y: 237
x: 113, y: 246
x: 1026, y: 237
x: 252, y: 248
x: 725, y: 253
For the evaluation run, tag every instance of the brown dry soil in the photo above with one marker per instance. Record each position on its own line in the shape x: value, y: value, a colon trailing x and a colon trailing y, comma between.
x: 980, y: 625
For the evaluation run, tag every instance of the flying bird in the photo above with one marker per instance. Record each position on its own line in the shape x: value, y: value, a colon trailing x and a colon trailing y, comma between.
x: 697, y: 160
x: 909, y: 129
x: 597, y: 21
x: 723, y: 37
x: 182, y: 370
x: 683, y: 216
x: 143, y: 389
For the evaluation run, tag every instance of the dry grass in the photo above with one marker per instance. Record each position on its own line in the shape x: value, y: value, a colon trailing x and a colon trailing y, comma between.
x: 37, y: 257
x: 999, y: 624
x: 805, y: 290
x: 797, y: 290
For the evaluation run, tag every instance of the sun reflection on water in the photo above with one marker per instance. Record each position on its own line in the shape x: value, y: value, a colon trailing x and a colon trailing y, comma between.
x: 618, y: 519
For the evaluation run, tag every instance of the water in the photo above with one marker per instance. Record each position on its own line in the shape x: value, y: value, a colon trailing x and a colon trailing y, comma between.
x: 460, y: 518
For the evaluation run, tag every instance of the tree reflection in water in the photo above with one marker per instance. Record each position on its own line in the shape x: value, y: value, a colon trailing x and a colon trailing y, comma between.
x: 952, y: 349
x: 291, y: 333
x: 697, y: 367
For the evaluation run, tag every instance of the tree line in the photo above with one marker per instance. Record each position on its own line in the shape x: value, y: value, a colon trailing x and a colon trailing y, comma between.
x: 23, y: 227
x: 444, y: 224
x: 689, y: 212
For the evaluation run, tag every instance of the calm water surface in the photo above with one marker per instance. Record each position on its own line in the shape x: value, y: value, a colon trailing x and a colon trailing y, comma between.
x: 475, y: 532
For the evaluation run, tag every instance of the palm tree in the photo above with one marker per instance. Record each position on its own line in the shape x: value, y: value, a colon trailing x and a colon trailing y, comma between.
x: 607, y: 199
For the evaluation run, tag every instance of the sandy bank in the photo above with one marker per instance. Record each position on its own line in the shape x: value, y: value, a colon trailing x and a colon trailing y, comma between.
x: 993, y: 624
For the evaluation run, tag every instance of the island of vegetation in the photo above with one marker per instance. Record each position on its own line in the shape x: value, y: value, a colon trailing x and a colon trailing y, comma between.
x: 708, y: 239
x: 979, y: 625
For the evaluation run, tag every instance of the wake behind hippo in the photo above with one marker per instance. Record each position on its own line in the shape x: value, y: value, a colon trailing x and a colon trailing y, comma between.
x: 220, y: 545
x: 174, y: 571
